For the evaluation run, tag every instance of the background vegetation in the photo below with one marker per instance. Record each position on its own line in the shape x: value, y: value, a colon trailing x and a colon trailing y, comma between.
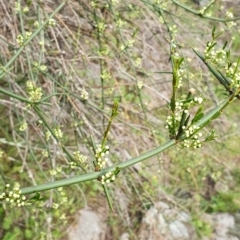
x: 78, y: 57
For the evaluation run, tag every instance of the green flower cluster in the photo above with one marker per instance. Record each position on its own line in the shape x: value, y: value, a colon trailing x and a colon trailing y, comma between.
x: 34, y: 92
x: 179, y: 124
x: 109, y: 176
x: 13, y: 196
x: 101, y: 158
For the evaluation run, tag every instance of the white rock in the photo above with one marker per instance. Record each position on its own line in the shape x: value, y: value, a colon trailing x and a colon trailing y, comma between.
x: 162, y: 225
x: 178, y: 230
x: 222, y: 222
x: 89, y: 225
x: 183, y: 217
x: 125, y: 236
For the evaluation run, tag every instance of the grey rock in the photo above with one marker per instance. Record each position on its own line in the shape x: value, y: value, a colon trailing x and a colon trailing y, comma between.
x: 184, y: 217
x: 89, y: 225
x: 237, y: 217
x: 163, y: 224
x: 235, y: 232
x: 163, y: 221
x: 124, y: 236
x: 222, y: 223
x: 178, y: 230
x: 167, y: 222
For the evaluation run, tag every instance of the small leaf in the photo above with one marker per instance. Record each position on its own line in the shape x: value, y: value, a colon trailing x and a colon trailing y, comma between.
x: 172, y: 104
x: 200, y: 110
x: 218, y: 35
x: 210, y: 137
x: 188, y: 100
x: 187, y: 120
x: 221, y: 78
x: 38, y: 197
x: 228, y: 55
x: 226, y: 81
x: 213, y: 32
x: 117, y: 171
x: 115, y: 108
x: 209, y: 48
x: 93, y: 144
x: 197, y: 117
x: 236, y: 68
x: 225, y: 44
x: 199, y: 114
x: 179, y: 62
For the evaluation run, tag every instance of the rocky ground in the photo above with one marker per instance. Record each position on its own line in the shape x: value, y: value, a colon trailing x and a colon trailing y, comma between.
x: 163, y: 221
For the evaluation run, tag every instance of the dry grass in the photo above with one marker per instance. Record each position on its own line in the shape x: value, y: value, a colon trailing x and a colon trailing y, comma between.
x: 71, y: 54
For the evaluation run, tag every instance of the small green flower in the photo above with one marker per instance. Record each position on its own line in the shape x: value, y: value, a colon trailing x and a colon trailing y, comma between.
x: 36, y: 24
x: 23, y: 127
x: 138, y: 62
x: 34, y: 92
x: 48, y: 135
x: 84, y: 94
x: 100, y: 157
x: 41, y: 43
x: 101, y: 26
x: 36, y: 95
x: 28, y: 35
x: 43, y: 68
x: 109, y: 176
x: 105, y: 75
x: 17, y: 7
x: 93, y: 4
x: 20, y: 40
x: 79, y: 157
x: 140, y: 84
x: 120, y: 23
x: 25, y: 9
x: 53, y: 172
x: 58, y: 132
x: 51, y: 22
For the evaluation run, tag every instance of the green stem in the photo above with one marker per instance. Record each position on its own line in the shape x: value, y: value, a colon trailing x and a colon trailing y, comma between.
x: 219, y: 76
x: 3, y: 72
x: 204, y: 16
x: 108, y: 197
x: 39, y: 113
x: 95, y: 175
x: 10, y: 94
x: 113, y: 115
x: 211, y: 115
